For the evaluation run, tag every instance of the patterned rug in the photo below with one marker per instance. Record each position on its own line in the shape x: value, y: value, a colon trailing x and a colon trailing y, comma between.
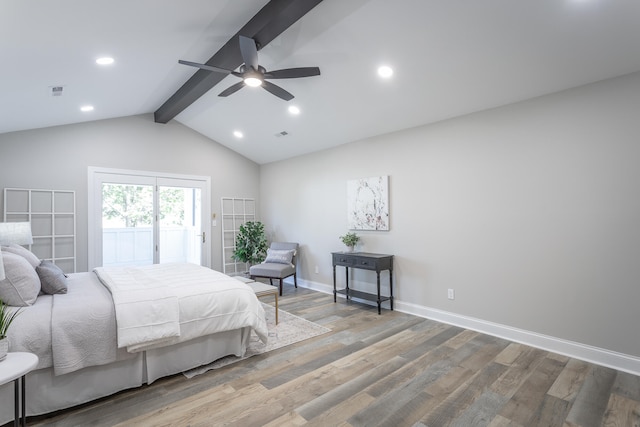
x: 289, y: 330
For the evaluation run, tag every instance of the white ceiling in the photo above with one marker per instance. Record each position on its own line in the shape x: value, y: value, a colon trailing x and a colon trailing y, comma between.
x: 451, y: 57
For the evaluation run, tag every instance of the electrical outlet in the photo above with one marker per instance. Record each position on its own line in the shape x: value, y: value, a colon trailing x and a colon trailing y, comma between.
x: 450, y: 294
x: 317, y: 270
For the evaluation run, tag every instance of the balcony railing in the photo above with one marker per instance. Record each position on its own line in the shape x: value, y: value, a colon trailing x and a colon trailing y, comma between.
x: 134, y: 246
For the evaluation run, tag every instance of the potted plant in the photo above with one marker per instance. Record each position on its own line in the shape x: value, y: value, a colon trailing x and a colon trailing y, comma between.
x: 251, y: 243
x: 6, y: 318
x: 350, y: 240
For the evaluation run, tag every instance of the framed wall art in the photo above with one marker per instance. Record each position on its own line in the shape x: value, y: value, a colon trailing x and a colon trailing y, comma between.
x: 368, y: 203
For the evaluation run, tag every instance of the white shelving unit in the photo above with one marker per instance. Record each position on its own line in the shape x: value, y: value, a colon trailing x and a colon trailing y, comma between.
x: 52, y: 214
x: 235, y: 212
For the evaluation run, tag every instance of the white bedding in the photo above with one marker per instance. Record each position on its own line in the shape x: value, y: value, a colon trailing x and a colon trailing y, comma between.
x: 31, y: 330
x: 83, y: 326
x: 163, y: 304
x: 69, y: 331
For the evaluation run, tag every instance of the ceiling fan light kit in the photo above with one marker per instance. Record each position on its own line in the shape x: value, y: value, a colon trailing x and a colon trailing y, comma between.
x: 254, y: 75
x: 253, y: 80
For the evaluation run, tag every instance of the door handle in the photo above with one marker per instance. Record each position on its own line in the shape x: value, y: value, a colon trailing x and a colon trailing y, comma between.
x: 204, y: 239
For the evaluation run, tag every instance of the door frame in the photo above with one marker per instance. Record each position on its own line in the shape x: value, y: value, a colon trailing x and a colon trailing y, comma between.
x: 94, y: 216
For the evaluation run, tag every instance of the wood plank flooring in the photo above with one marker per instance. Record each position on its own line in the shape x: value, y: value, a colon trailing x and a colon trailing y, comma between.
x: 392, y: 369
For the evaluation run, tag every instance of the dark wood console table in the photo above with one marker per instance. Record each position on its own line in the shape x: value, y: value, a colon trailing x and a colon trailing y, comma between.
x: 365, y: 261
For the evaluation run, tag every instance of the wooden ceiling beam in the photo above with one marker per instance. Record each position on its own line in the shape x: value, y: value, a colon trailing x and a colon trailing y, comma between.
x: 271, y: 21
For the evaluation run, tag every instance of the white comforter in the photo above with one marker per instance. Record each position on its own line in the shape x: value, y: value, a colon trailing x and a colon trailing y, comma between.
x: 163, y: 304
x: 69, y: 331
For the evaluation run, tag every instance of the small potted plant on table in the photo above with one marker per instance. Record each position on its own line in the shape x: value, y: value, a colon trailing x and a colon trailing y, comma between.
x: 6, y: 318
x: 350, y: 240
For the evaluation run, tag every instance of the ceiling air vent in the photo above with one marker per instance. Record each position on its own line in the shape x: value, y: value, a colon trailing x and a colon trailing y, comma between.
x: 56, y: 90
x: 281, y: 134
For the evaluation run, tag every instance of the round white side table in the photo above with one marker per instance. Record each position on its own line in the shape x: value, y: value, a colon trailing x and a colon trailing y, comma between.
x: 14, y: 368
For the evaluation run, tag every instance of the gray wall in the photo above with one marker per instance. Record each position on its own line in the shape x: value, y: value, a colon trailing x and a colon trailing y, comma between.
x: 529, y: 212
x: 58, y: 157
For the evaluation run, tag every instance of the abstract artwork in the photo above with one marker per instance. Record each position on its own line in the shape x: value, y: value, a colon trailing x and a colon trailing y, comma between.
x: 368, y: 203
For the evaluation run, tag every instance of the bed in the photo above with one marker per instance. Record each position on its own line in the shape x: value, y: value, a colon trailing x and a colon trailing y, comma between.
x: 120, y: 328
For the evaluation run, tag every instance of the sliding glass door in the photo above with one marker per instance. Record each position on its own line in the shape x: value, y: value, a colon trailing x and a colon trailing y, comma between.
x: 180, y: 221
x: 138, y: 219
x: 127, y: 213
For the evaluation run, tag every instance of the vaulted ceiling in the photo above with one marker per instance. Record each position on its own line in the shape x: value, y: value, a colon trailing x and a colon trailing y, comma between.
x: 450, y: 58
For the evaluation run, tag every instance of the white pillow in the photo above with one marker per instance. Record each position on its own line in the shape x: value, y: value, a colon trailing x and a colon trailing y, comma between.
x: 279, y: 256
x: 21, y: 286
x: 23, y: 252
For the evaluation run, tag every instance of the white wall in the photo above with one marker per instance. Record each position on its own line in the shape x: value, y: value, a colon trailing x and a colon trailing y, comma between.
x: 58, y: 158
x: 530, y: 212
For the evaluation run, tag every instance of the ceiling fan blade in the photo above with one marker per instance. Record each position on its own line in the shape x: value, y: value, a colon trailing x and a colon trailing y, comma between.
x: 249, y: 52
x: 277, y: 91
x: 292, y: 73
x: 232, y: 89
x: 205, y: 67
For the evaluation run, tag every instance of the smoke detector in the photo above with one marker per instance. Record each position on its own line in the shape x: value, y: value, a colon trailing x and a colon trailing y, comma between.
x: 281, y: 134
x: 55, y: 91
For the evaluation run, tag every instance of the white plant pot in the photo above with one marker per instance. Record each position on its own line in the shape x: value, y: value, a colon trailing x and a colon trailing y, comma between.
x: 4, y: 348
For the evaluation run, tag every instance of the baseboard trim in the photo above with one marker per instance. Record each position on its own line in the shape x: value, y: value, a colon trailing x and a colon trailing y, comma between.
x: 588, y: 353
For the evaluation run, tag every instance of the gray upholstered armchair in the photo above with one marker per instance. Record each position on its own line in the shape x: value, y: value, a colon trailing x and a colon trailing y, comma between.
x: 279, y: 264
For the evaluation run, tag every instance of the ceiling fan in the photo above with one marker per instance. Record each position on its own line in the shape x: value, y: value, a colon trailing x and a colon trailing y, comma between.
x: 254, y: 75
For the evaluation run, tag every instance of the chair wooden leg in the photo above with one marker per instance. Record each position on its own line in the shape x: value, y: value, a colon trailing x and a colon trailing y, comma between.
x: 280, y: 287
x: 270, y: 281
x: 295, y: 279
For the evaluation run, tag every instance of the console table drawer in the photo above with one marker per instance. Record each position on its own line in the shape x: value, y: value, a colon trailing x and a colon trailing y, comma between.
x: 365, y: 263
x: 345, y: 260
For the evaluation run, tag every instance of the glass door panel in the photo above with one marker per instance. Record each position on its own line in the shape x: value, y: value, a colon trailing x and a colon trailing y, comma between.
x: 182, y: 221
x: 127, y: 224
x: 180, y: 224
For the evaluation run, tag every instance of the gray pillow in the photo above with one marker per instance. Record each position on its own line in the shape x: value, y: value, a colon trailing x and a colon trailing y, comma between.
x: 279, y: 256
x: 23, y: 252
x: 52, y: 278
x: 21, y: 286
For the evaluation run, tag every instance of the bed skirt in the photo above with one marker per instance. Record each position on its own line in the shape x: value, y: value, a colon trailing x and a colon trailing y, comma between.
x: 48, y: 393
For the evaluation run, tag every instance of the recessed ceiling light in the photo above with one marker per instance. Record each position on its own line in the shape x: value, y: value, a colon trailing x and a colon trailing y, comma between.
x: 86, y: 108
x: 237, y: 134
x: 294, y: 110
x: 104, y: 61
x: 385, y: 71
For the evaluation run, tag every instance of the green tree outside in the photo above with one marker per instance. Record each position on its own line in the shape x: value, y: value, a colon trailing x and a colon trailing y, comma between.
x: 132, y: 205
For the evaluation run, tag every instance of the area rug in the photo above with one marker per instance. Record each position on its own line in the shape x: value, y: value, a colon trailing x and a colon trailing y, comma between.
x: 289, y: 330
